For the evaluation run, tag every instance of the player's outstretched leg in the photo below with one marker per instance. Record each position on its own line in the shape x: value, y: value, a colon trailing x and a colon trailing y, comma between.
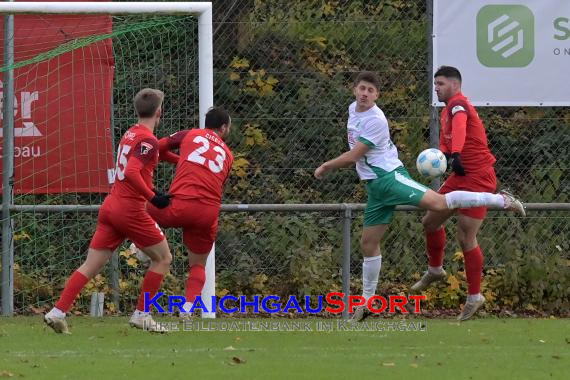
x: 56, y: 316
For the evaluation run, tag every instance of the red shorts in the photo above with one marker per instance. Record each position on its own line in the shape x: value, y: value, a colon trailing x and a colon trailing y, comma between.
x: 483, y: 180
x: 121, y: 219
x: 199, y: 222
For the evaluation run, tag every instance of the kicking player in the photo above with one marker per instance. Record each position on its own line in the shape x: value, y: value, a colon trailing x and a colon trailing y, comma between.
x: 387, y: 182
x: 123, y: 215
x: 202, y: 168
x: 464, y: 142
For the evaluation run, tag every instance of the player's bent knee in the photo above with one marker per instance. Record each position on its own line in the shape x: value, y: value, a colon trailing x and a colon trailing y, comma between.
x: 433, y: 201
x: 369, y: 247
x: 167, y: 258
x: 430, y: 225
x: 197, y: 258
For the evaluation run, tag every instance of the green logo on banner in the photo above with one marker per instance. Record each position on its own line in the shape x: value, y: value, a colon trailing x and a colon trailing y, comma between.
x: 505, y: 36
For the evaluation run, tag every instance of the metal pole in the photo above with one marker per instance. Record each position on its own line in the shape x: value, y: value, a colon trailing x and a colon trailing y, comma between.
x: 347, y: 220
x: 114, y: 267
x: 206, y: 96
x: 8, y: 170
x: 433, y: 114
x: 114, y: 277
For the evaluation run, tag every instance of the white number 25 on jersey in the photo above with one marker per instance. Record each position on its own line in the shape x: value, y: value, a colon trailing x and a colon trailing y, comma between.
x: 121, y: 164
x: 216, y: 165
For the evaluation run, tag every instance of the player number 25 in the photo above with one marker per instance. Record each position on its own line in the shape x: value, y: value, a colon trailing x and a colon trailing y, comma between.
x: 121, y: 164
x: 216, y: 165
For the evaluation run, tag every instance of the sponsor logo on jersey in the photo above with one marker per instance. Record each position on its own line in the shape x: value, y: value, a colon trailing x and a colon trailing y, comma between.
x: 145, y: 148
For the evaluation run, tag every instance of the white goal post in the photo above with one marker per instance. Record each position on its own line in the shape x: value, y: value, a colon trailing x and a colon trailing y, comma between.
x: 205, y: 83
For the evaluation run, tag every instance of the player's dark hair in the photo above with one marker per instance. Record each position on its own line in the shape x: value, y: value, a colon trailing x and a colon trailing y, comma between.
x: 448, y: 72
x: 367, y: 76
x: 147, y: 101
x: 216, y: 117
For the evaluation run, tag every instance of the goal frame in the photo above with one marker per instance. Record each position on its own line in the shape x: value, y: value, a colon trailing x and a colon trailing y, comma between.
x: 206, y: 100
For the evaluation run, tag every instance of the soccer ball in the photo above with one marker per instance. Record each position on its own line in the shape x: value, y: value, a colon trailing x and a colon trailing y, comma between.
x: 431, y: 163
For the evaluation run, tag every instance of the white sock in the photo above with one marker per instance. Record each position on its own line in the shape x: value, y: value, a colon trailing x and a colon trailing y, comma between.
x: 187, y: 307
x: 370, y: 273
x: 55, y: 312
x: 435, y: 270
x: 474, y: 297
x: 468, y: 199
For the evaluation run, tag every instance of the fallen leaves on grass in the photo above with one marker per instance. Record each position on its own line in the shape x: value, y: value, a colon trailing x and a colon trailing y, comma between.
x: 238, y: 360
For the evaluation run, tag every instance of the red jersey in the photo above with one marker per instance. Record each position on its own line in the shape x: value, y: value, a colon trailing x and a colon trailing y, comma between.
x: 136, y: 159
x: 462, y: 131
x: 204, y: 165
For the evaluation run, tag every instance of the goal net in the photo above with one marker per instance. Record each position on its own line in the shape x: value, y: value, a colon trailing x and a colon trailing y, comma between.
x: 75, y: 76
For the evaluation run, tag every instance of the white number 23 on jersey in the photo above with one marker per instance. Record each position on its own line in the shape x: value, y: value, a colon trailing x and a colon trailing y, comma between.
x: 216, y: 165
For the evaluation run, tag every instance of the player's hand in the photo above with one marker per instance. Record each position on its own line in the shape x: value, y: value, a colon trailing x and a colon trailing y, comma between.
x: 160, y: 200
x: 321, y: 171
x: 456, y: 164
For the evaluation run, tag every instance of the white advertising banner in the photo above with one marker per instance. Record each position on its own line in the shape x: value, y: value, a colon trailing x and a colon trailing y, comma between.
x: 509, y: 53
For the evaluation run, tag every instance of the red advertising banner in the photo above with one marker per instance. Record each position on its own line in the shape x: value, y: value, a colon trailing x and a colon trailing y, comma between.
x: 62, y: 103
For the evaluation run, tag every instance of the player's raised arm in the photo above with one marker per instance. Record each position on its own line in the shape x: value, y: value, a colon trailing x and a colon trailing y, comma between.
x: 346, y: 159
x: 166, y: 145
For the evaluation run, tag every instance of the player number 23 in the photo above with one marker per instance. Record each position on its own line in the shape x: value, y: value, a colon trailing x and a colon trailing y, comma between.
x: 217, y: 164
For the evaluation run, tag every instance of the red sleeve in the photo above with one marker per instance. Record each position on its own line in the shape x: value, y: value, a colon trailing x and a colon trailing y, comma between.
x: 458, y: 131
x: 167, y: 144
x: 143, y: 153
x: 146, y: 150
x: 134, y: 178
x: 166, y: 154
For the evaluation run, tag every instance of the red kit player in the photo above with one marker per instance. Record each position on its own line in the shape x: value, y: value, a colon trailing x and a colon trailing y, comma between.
x: 464, y: 142
x: 123, y: 215
x: 202, y: 168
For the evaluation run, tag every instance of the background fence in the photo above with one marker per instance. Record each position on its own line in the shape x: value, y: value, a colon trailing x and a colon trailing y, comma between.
x: 283, y: 69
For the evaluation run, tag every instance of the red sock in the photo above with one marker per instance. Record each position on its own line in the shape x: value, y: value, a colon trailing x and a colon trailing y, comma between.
x: 195, y: 282
x: 150, y: 285
x: 435, y: 246
x: 473, y: 269
x: 72, y: 289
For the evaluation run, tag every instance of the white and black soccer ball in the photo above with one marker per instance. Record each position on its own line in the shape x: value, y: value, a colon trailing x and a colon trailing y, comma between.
x: 431, y: 163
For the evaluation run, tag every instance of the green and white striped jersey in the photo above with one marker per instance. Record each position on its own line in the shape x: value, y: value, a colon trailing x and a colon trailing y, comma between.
x: 371, y: 128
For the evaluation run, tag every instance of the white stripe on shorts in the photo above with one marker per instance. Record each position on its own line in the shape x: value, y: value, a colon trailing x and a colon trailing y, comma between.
x: 410, y: 182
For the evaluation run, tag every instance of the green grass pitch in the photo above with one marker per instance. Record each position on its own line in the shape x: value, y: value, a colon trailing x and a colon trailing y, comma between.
x: 108, y: 348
